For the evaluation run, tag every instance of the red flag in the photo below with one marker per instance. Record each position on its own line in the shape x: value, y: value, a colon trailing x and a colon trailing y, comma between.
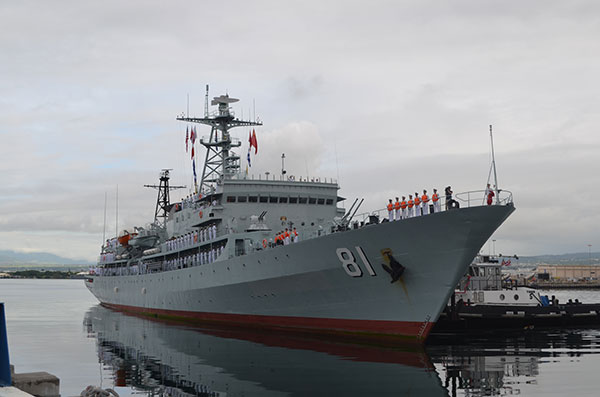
x: 193, y: 135
x: 192, y: 152
x: 254, y: 142
x: 186, y: 139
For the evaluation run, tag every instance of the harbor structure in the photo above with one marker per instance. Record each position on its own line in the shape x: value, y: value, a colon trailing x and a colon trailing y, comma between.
x: 567, y: 272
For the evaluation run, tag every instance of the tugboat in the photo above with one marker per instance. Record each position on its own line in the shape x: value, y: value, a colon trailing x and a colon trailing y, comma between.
x: 213, y: 258
x: 483, y: 300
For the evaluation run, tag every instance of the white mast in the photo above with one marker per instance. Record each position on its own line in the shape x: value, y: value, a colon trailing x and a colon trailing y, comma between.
x: 117, y: 214
x: 104, y: 227
x: 494, y: 168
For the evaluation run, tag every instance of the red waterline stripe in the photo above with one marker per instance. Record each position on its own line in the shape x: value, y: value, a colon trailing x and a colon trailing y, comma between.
x: 412, y: 329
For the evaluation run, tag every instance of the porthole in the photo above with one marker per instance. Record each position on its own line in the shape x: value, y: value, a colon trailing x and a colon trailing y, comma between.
x: 502, y: 297
x: 516, y: 297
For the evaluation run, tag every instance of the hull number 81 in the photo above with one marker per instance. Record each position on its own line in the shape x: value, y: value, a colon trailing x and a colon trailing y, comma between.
x: 349, y: 262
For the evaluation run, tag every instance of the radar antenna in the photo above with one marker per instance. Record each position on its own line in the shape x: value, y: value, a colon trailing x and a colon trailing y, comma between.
x: 220, y: 162
x: 162, y: 201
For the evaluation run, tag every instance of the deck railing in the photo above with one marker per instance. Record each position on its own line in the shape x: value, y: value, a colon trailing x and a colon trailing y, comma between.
x: 476, y: 198
x: 473, y: 198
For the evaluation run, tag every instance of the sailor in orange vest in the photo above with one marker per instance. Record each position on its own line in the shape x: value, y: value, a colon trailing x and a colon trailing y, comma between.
x: 403, y: 206
x: 417, y: 205
x: 295, y: 236
x: 397, y: 208
x: 286, y: 238
x: 390, y: 208
x: 436, y: 201
x: 411, y: 204
x: 425, y: 200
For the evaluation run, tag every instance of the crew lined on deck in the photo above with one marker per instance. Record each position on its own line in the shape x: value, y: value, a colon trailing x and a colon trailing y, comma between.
x: 286, y: 237
x: 417, y: 206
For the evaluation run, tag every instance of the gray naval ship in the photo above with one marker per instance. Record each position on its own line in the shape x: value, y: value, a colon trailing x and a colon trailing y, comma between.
x: 212, y: 257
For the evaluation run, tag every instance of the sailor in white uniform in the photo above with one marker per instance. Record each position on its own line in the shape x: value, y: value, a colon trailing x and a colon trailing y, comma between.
x: 403, y: 207
x: 411, y: 204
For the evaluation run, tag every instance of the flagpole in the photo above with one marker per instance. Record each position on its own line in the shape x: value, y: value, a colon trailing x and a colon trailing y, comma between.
x: 117, y: 214
x: 494, y: 166
x: 104, y: 227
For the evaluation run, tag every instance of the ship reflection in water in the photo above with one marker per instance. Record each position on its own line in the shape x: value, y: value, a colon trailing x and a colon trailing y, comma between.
x: 155, y: 358
x: 166, y: 359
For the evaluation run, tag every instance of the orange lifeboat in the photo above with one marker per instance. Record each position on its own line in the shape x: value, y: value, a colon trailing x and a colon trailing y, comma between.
x: 125, y: 237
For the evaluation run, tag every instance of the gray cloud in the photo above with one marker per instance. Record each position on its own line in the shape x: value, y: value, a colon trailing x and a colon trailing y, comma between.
x: 392, y: 96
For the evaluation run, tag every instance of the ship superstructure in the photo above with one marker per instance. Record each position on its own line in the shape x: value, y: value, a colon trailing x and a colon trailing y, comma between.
x: 213, y: 257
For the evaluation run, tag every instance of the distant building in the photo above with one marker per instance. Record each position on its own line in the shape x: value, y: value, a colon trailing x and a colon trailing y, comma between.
x: 569, y: 272
x: 5, y: 275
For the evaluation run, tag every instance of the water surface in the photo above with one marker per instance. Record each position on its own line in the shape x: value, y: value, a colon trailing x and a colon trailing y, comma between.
x: 57, y: 326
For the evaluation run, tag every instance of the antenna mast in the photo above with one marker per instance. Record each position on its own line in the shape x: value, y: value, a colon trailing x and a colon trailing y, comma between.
x: 104, y: 228
x: 205, y: 104
x: 283, y: 164
x: 220, y: 162
x: 163, y: 202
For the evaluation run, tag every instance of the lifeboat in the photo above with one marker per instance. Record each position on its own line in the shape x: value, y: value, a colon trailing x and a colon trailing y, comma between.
x: 125, y: 236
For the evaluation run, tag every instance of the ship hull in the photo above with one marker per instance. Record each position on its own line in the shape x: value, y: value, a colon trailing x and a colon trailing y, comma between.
x: 336, y: 283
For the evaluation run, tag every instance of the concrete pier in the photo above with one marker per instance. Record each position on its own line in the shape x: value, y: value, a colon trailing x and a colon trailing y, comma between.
x: 40, y: 384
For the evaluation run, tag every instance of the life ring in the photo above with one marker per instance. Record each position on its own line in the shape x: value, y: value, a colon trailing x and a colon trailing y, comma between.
x: 265, y: 243
x: 200, y: 214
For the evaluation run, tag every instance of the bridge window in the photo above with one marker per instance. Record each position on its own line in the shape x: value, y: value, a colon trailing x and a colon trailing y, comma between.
x: 230, y: 199
x: 303, y: 200
x: 264, y: 199
x: 242, y: 199
x: 321, y: 201
x: 293, y: 200
x: 312, y: 200
x: 283, y: 200
x: 329, y: 202
x: 272, y: 199
x: 252, y: 199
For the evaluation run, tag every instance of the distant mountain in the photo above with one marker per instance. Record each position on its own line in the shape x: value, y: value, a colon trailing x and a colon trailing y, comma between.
x: 12, y: 258
x: 578, y: 258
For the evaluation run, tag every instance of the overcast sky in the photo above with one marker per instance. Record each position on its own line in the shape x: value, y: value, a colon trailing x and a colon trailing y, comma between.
x: 390, y: 96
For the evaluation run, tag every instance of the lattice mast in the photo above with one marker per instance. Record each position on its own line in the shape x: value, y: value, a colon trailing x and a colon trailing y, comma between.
x: 220, y: 162
x: 163, y: 201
